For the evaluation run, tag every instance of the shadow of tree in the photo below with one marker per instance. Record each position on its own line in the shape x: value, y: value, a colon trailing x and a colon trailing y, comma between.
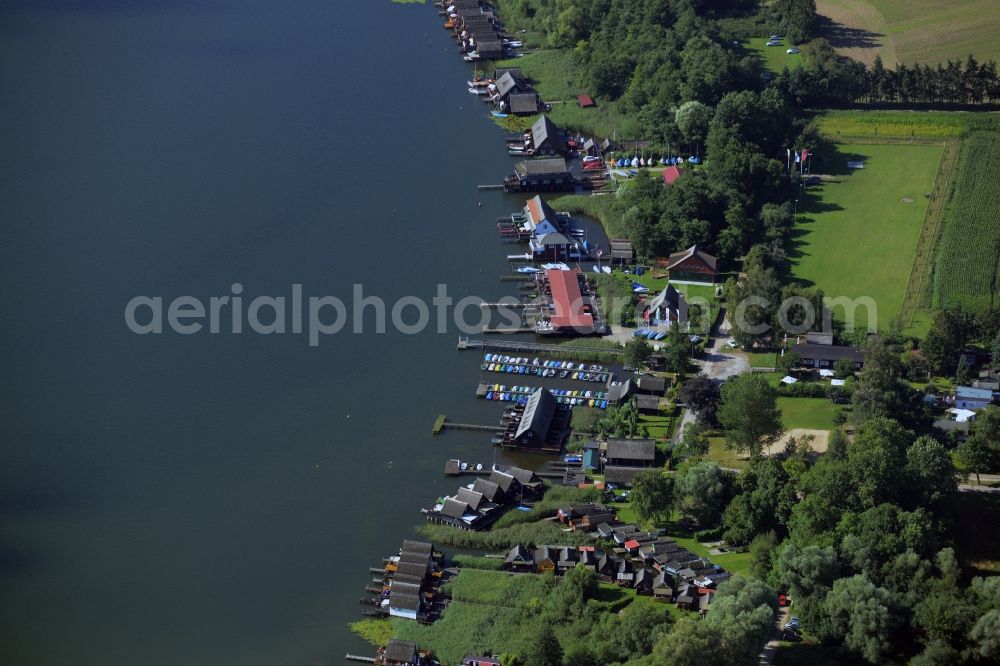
x: 841, y: 36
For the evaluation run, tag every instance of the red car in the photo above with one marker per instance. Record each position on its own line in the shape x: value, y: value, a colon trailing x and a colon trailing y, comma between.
x: 782, y: 600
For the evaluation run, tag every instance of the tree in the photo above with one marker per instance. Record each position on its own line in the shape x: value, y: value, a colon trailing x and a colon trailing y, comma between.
x: 929, y: 472
x: 702, y: 492
x: 995, y: 353
x: 951, y: 330
x: 749, y: 413
x: 980, y: 452
x: 843, y: 368
x: 637, y: 353
x: 764, y: 501
x: 808, y: 574
x: 544, y: 649
x: 701, y: 395
x: 677, y: 351
x: 743, y: 614
x: 693, y: 444
x: 875, y: 459
x: 762, y: 553
x: 861, y: 615
x: 788, y: 362
x: 652, y: 495
x: 692, y: 120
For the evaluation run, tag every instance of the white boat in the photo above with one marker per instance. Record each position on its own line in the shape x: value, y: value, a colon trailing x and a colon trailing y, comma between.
x: 527, y: 269
x: 606, y: 269
x: 477, y: 91
x: 595, y: 269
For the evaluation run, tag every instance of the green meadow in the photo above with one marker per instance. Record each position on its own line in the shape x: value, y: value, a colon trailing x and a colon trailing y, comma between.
x: 858, y: 229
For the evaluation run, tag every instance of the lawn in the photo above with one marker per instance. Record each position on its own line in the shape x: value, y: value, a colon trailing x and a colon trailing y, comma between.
x: 555, y: 74
x: 909, y: 31
x: 857, y: 231
x: 718, y: 452
x: 773, y: 58
x: 807, y: 413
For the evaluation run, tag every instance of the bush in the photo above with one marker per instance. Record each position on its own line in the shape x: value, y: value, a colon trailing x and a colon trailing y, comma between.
x: 712, y: 534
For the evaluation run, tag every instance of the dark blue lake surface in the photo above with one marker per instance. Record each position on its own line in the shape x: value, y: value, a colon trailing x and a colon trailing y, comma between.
x: 218, y: 499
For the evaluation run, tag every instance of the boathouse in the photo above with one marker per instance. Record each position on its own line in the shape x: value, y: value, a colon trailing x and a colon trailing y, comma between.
x: 400, y: 653
x: 692, y: 264
x: 542, y: 175
x: 621, y: 250
x: 505, y: 86
x: 668, y: 307
x: 533, y: 430
x: 546, y: 138
x: 570, y: 310
x: 626, y: 458
x: 523, y: 103
x: 490, y: 49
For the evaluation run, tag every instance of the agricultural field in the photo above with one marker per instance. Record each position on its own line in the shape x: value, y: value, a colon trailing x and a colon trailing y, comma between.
x: 894, y: 125
x: 773, y: 58
x: 968, y: 254
x: 912, y: 31
x: 858, y: 229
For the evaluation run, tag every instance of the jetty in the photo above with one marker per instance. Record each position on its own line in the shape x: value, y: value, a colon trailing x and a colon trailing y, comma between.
x: 465, y: 342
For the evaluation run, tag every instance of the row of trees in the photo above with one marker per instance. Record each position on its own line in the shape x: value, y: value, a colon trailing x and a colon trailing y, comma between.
x: 829, y: 78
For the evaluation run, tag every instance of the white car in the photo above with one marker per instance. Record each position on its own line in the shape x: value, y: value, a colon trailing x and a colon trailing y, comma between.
x: 731, y: 343
x: 792, y: 50
x: 792, y: 625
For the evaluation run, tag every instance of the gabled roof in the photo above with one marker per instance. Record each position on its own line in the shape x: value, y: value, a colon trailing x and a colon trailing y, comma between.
x: 487, y: 489
x: 524, y: 476
x: 515, y: 72
x: 417, y: 547
x: 631, y: 449
x: 470, y: 497
x: 545, y: 131
x: 671, y: 174
x: 540, y: 211
x: 506, y: 84
x: 613, y: 474
x: 523, y: 102
x: 585, y: 100
x: 654, y: 384
x: 404, y: 601
x: 402, y: 651
x: 568, y: 301
x: 538, y: 413
x: 692, y: 252
x: 519, y: 554
x: 411, y: 569
x: 552, y: 166
x: 504, y: 480
x: 454, y: 508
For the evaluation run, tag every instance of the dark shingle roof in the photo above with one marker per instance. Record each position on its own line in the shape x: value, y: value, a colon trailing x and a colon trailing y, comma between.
x: 525, y: 102
x: 453, y: 508
x: 488, y: 489
x: 553, y: 166
x: 470, y: 497
x: 538, y: 413
x: 402, y: 651
x: 811, y: 352
x: 631, y: 449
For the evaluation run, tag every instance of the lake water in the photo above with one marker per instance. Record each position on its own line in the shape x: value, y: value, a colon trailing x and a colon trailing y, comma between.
x: 218, y: 499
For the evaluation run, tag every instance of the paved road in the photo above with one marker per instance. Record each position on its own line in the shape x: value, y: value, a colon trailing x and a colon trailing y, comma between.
x: 718, y: 364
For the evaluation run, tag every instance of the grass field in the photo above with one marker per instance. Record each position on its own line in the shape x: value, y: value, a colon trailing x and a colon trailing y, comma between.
x: 858, y: 230
x: 876, y: 125
x: 909, y: 31
x: 555, y: 75
x: 773, y: 58
x: 807, y: 413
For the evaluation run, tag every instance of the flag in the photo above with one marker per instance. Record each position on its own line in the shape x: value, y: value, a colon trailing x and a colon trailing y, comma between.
x: 798, y: 158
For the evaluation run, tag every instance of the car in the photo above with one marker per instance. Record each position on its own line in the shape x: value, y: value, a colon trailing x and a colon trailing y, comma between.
x: 775, y: 38
x: 792, y: 51
x: 792, y: 624
x: 731, y: 343
x: 773, y: 44
x: 782, y: 600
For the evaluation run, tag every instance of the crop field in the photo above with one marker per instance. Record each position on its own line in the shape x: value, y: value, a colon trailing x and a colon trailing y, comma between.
x: 857, y: 231
x: 891, y: 125
x: 968, y: 254
x: 912, y: 31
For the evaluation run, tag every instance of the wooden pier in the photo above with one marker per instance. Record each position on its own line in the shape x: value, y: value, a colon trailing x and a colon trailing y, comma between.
x: 518, y: 277
x: 511, y: 345
x: 355, y: 657
x: 451, y: 425
x: 483, y: 188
